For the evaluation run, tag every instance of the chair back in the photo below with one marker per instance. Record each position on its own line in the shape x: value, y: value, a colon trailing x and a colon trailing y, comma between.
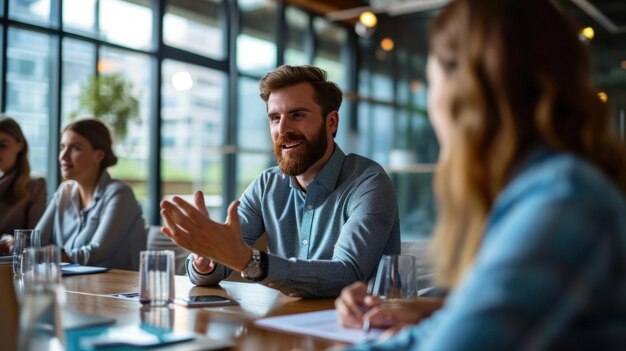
x: 159, y: 241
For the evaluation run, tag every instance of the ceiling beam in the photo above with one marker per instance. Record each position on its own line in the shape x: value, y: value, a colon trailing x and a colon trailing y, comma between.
x: 323, y: 7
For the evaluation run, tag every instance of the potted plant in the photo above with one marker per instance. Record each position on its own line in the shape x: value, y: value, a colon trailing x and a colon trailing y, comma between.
x: 110, y: 99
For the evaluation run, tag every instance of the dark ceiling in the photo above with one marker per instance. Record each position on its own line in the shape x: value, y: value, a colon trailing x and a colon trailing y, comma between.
x: 607, y: 17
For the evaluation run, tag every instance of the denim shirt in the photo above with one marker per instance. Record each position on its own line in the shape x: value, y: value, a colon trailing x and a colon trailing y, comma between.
x: 550, y: 273
x: 324, y: 238
x: 110, y: 232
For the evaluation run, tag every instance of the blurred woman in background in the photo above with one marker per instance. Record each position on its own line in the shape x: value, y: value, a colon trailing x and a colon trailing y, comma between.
x: 531, y: 182
x: 95, y: 220
x: 22, y: 196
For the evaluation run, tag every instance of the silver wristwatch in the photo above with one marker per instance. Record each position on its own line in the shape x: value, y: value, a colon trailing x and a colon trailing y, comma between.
x: 254, y: 271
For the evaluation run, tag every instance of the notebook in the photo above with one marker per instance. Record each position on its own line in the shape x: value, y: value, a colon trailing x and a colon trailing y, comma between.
x: 136, y: 337
x: 77, y: 320
x: 76, y: 269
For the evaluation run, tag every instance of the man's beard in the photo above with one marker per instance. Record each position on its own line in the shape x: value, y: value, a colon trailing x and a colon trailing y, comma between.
x: 309, y: 152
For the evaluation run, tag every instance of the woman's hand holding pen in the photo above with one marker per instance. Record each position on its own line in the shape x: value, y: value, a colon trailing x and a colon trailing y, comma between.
x: 353, y: 304
x: 357, y: 309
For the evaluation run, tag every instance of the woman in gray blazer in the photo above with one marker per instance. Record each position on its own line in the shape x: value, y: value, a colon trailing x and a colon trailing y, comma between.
x: 95, y: 220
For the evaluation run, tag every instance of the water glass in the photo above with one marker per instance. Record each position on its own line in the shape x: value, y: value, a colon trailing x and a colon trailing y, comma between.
x: 396, y: 278
x: 42, y: 300
x: 156, y: 277
x: 157, y: 318
x: 24, y: 238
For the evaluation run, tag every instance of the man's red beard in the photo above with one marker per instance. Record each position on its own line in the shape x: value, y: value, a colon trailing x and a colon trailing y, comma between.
x: 305, y: 154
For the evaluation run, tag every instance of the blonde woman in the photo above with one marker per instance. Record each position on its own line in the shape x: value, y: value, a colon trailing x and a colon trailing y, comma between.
x: 96, y: 220
x: 22, y: 196
x: 531, y: 232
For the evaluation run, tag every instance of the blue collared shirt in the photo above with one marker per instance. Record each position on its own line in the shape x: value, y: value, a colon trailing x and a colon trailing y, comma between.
x: 550, y: 274
x: 325, y: 238
x: 110, y: 232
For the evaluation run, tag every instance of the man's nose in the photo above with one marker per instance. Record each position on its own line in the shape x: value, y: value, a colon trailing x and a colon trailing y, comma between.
x: 283, y: 126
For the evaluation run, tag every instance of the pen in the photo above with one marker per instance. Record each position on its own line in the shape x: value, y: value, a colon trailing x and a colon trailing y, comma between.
x: 366, y: 326
x: 366, y: 323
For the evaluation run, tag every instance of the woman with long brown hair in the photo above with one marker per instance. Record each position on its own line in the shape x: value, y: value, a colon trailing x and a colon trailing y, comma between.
x: 95, y: 219
x: 22, y: 196
x: 531, y: 230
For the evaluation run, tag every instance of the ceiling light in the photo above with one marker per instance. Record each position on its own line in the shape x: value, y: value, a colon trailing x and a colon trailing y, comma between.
x: 368, y: 19
x: 588, y: 33
x: 387, y: 44
x: 603, y: 97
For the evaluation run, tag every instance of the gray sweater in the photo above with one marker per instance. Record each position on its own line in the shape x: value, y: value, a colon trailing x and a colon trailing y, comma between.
x: 110, y: 232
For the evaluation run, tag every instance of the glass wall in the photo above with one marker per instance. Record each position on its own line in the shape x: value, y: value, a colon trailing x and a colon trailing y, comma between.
x: 28, y: 89
x: 297, y: 28
x: 198, y: 94
x: 195, y: 26
x: 256, y: 44
x: 192, y: 132
x: 201, y: 124
x: 132, y: 151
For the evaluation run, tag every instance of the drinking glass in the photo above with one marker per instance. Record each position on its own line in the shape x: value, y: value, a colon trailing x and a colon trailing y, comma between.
x: 24, y: 238
x: 40, y: 306
x: 156, y: 277
x: 396, y: 278
x: 159, y: 318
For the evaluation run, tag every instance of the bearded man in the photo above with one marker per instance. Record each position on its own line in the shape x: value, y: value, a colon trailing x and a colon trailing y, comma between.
x: 328, y: 216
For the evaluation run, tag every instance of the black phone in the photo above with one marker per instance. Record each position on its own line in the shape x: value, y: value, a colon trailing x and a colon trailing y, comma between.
x: 205, y: 301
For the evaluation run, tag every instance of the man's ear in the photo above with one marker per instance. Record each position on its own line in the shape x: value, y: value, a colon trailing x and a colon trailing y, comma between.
x: 332, y: 122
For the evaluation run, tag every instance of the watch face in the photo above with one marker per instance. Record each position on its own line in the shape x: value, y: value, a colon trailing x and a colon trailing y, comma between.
x: 253, y: 272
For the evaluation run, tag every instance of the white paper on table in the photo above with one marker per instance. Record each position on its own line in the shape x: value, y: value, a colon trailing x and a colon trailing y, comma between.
x: 323, y: 324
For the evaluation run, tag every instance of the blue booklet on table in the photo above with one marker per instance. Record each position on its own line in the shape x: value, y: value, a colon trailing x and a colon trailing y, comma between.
x: 132, y: 337
x: 76, y: 269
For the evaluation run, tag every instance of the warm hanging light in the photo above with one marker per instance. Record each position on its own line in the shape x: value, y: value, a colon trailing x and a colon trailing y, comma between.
x: 387, y: 44
x: 368, y: 19
x: 588, y: 33
x: 603, y: 96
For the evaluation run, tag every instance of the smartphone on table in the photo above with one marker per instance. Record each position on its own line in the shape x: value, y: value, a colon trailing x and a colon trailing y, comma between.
x: 205, y: 301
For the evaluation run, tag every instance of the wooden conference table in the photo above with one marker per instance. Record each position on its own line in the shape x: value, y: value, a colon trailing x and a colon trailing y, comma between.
x: 90, y: 294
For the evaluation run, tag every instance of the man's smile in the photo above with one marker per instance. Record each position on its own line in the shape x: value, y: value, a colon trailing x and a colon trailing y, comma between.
x: 291, y: 145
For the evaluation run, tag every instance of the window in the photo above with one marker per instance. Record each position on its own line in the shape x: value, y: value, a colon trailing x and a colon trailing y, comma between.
x: 36, y: 11
x: 256, y: 50
x: 195, y: 26
x: 200, y: 143
x: 253, y: 132
x: 132, y: 151
x: 331, y: 38
x: 297, y: 28
x: 80, y: 15
x: 192, y: 133
x: 79, y: 60
x: 28, y: 84
x: 126, y: 23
